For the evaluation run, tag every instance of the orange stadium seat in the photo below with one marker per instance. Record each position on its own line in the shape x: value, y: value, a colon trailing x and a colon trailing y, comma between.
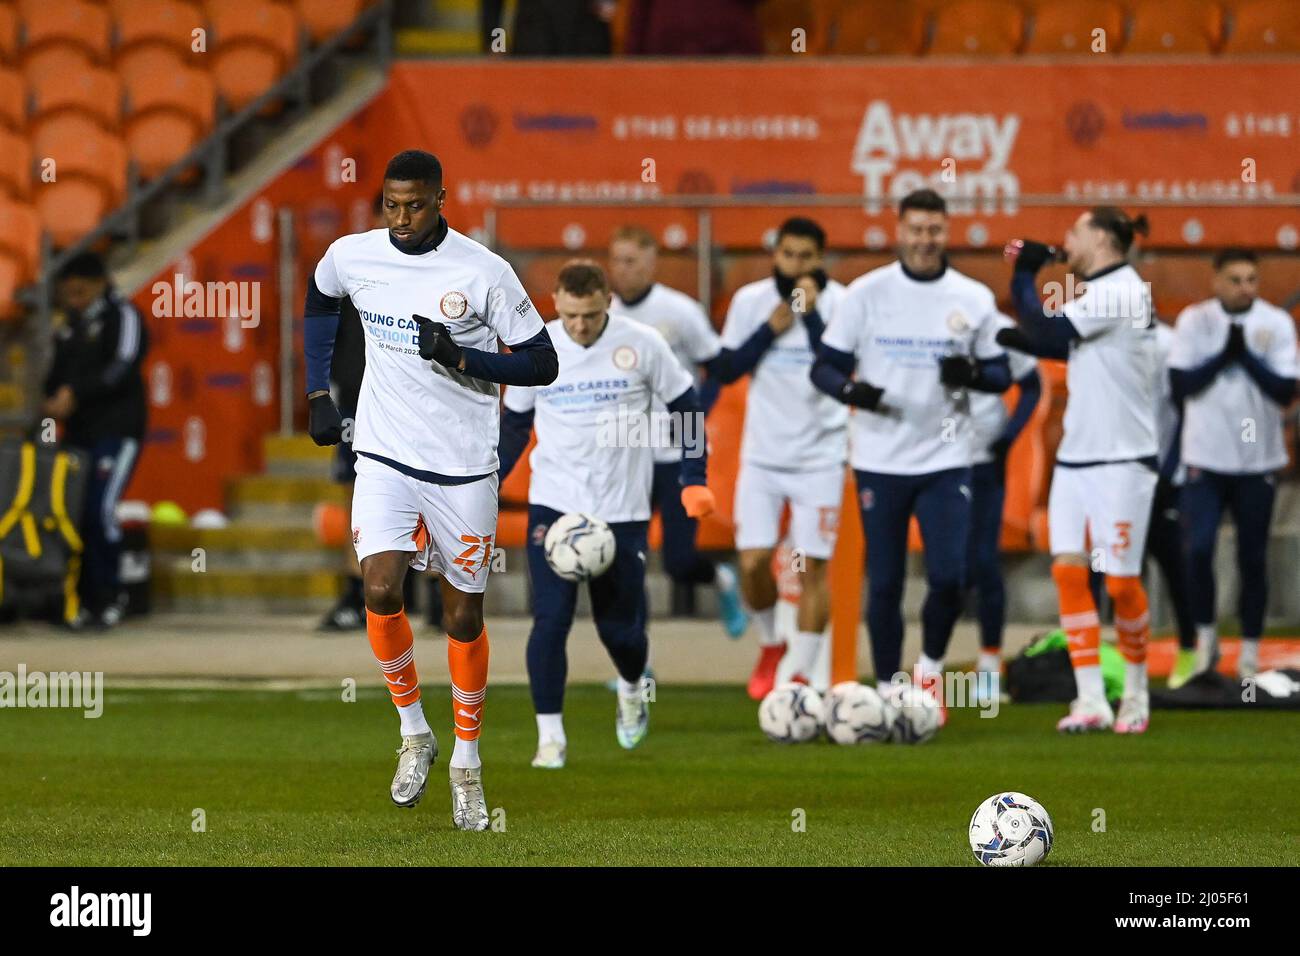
x: 157, y: 23
x: 779, y: 20
x: 253, y: 44
x: 1265, y: 26
x: 20, y: 237
x: 13, y: 100
x: 978, y: 28
x: 72, y: 23
x: 1175, y: 26
x: 83, y: 151
x: 94, y: 93
x: 324, y: 18
x: 1066, y: 26
x: 168, y: 118
x: 8, y: 34
x: 55, y: 59
x: 143, y: 63
x: 69, y: 209
x: 886, y: 27
x: 15, y: 164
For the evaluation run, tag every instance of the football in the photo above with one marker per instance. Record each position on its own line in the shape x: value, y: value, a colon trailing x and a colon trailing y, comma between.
x: 579, y: 547
x: 1010, y: 829
x: 791, y: 714
x: 856, y: 714
x: 917, y: 714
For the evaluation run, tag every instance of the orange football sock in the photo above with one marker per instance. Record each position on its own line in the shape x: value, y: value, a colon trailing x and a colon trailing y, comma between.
x: 1078, y: 614
x: 468, y: 663
x: 393, y: 645
x: 1132, y: 620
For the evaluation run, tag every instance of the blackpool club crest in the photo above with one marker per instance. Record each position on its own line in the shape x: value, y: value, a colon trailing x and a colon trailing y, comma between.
x: 453, y: 305
x: 625, y: 358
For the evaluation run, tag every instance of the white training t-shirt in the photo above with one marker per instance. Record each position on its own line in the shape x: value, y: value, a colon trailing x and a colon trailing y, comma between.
x: 1231, y: 426
x: 789, y: 424
x: 688, y: 332
x: 412, y: 411
x: 1113, y: 372
x: 899, y: 328
x: 988, y: 411
x: 593, y: 424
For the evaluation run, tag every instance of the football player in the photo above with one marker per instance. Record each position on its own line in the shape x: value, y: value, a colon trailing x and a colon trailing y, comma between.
x: 1105, y: 475
x: 633, y: 255
x: 1233, y: 365
x: 794, y: 443
x: 425, y: 436
x: 595, y: 431
x: 909, y: 343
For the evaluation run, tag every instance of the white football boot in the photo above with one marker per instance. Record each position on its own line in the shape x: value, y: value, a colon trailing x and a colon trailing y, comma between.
x: 633, y: 718
x: 414, y: 758
x: 1134, y: 714
x: 1086, y: 715
x: 550, y: 755
x: 468, y: 805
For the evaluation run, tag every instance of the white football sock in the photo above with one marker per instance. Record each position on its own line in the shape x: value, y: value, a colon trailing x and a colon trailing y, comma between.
x: 1248, y: 661
x: 464, y: 755
x: 413, y: 722
x: 989, y: 662
x: 629, y: 689
x: 1088, y: 681
x: 766, y: 618
x: 1207, y: 646
x: 1135, y: 679
x: 804, y: 647
x: 550, y: 729
x: 724, y: 577
x: 925, y: 666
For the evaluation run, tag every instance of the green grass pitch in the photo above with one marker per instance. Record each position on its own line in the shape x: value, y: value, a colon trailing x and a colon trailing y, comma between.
x: 302, y: 778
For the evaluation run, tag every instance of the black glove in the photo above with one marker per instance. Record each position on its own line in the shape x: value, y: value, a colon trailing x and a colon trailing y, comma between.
x: 1236, y: 346
x: 861, y: 395
x: 324, y: 423
x: 957, y: 370
x: 1034, y: 255
x: 436, y: 343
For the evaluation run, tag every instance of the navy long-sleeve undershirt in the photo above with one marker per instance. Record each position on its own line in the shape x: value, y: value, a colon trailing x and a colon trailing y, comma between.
x: 515, y: 429
x: 1043, y: 331
x: 832, y: 370
x: 530, y: 362
x: 1031, y: 390
x: 1277, y: 387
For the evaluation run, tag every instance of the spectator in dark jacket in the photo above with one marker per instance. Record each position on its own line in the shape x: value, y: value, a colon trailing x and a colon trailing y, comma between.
x: 553, y: 27
x: 96, y: 390
x: 694, y: 28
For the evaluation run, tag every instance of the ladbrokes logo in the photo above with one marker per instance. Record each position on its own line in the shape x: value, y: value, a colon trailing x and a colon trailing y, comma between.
x: 962, y: 156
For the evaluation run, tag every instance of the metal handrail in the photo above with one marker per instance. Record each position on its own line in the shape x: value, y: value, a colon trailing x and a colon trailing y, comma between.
x: 211, y: 152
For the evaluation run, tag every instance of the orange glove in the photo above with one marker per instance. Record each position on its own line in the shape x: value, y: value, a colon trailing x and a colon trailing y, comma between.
x: 698, y: 501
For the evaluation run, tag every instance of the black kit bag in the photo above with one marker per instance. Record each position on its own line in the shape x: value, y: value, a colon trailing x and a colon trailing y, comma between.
x: 42, y: 493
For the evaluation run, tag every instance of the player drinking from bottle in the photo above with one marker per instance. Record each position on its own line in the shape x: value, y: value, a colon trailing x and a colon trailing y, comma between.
x: 1105, y: 474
